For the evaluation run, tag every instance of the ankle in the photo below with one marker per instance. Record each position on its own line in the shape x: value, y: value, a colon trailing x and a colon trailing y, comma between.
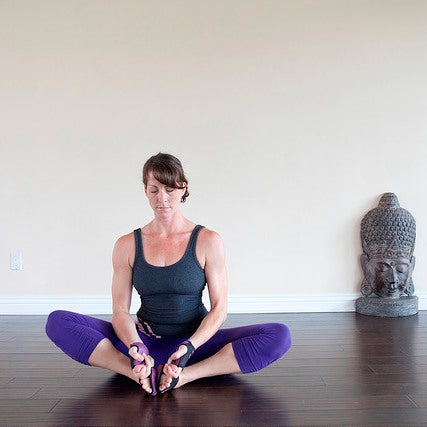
x: 186, y: 375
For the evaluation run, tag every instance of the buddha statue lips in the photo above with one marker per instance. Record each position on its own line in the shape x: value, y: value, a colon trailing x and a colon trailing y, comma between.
x: 388, y: 241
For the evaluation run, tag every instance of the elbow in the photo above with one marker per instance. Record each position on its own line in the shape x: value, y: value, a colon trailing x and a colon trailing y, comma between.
x: 224, y: 317
x: 218, y: 310
x: 221, y: 314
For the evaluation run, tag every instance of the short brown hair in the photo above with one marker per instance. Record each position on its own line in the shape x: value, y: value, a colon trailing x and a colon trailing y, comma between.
x: 168, y: 170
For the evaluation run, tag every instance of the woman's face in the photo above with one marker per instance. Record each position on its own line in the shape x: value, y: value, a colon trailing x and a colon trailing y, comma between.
x: 164, y: 200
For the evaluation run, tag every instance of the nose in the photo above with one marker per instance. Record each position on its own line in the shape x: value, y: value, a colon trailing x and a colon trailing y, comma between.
x: 394, y: 282
x: 162, y: 195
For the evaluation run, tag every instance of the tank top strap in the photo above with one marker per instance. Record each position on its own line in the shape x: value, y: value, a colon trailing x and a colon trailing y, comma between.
x: 193, y: 240
x: 138, y: 243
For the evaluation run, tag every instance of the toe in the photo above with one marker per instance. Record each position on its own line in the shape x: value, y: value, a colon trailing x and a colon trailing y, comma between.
x: 174, y: 370
x: 145, y: 384
x: 165, y: 381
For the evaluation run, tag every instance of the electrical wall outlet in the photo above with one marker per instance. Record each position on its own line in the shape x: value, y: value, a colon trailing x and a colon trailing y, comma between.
x: 16, y: 260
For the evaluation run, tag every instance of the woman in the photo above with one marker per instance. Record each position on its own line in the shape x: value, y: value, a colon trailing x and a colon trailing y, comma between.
x: 169, y: 261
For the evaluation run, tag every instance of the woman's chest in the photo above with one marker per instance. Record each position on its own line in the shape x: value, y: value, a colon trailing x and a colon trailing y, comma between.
x: 164, y: 252
x: 184, y: 278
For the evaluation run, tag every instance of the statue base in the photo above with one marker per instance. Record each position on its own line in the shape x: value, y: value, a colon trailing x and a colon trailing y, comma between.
x: 387, y: 307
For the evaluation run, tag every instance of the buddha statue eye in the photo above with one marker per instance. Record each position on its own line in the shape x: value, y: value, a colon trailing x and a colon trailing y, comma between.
x: 382, y: 267
x: 402, y: 268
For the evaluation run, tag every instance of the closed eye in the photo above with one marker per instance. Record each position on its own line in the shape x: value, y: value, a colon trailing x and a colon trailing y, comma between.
x: 382, y: 267
x: 169, y: 190
x: 402, y: 268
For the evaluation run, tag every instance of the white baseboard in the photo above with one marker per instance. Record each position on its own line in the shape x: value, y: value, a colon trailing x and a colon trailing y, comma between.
x: 101, y: 304
x: 291, y: 303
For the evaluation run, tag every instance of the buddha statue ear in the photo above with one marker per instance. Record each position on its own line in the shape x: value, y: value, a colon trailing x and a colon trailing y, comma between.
x: 366, y: 287
x: 412, y: 263
x: 410, y: 288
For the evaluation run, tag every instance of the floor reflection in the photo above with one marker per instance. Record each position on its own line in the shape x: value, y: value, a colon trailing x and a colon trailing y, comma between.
x: 384, y: 344
x: 223, y: 400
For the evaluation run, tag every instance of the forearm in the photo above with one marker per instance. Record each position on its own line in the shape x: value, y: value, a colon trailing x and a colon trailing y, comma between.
x: 209, y: 326
x: 125, y: 328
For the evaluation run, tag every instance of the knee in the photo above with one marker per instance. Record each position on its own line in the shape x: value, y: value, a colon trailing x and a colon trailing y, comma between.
x: 281, y: 339
x: 55, y: 322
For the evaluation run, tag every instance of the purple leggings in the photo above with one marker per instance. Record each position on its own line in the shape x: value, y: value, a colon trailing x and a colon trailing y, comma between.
x: 255, y: 346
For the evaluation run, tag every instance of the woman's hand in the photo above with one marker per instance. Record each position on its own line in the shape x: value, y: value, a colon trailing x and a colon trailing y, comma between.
x: 174, y: 360
x: 173, y: 369
x: 142, y: 364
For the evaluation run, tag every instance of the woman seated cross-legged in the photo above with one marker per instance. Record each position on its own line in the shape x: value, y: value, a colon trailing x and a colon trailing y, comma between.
x: 175, y: 339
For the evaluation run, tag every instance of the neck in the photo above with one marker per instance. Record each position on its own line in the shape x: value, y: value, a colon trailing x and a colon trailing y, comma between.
x: 170, y: 225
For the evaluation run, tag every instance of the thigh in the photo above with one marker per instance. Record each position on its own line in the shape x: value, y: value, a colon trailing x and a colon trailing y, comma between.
x: 93, y: 327
x: 73, y: 332
x: 222, y: 338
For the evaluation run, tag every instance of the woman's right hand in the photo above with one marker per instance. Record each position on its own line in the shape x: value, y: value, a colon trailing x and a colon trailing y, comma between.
x: 143, y: 369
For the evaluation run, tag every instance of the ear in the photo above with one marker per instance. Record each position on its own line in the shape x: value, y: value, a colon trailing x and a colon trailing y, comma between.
x: 412, y: 263
x: 366, y: 288
x: 364, y: 263
x: 182, y: 193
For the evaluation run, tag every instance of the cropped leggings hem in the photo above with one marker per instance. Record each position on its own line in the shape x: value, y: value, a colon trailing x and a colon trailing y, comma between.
x: 254, y: 346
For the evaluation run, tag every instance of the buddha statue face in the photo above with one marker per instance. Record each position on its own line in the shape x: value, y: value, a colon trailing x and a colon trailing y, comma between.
x: 389, y: 277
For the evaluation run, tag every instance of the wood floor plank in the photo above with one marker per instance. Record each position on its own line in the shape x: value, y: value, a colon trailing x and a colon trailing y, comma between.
x: 27, y: 405
x: 34, y: 372
x: 7, y: 392
x: 365, y: 417
x: 39, y: 363
x: 392, y: 368
x: 317, y: 370
x: 15, y: 418
x: 12, y: 348
x: 419, y: 399
x: 29, y: 357
x: 395, y: 378
x: 83, y: 382
x: 78, y: 392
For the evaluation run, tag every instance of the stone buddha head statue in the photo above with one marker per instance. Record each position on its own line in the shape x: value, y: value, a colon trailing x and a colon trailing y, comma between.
x: 388, y: 241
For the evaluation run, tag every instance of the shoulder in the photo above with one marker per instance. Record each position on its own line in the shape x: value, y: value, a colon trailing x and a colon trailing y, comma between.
x: 124, y: 241
x: 124, y: 249
x: 210, y: 236
x: 211, y: 241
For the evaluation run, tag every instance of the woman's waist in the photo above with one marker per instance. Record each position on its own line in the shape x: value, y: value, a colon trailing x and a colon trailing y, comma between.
x: 157, y: 327
x: 168, y: 313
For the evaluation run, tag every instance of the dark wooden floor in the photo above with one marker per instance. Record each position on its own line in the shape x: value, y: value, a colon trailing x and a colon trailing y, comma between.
x: 343, y: 369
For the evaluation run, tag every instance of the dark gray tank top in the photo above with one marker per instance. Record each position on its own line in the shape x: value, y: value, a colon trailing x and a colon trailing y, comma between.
x: 171, y: 296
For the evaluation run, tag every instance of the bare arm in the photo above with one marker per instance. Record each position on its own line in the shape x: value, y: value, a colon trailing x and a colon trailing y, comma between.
x: 216, y: 278
x: 123, y: 324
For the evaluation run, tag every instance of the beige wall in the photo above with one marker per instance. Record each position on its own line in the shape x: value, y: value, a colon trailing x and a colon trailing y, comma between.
x: 290, y: 117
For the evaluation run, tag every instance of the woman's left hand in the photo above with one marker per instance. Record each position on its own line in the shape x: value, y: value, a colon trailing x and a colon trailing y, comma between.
x: 174, y: 370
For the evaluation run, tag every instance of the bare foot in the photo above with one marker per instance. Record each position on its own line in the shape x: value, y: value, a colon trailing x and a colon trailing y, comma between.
x: 143, y: 372
x: 170, y: 372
